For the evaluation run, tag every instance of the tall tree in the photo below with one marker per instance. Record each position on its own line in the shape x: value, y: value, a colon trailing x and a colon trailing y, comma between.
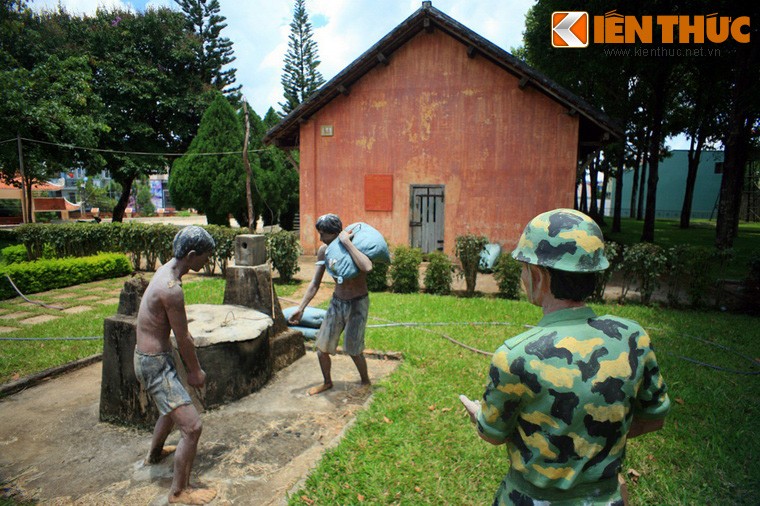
x: 214, y: 53
x: 153, y: 96
x: 48, y: 102
x: 212, y: 184
x: 603, y: 81
x: 701, y: 103
x: 300, y: 76
x: 743, y: 116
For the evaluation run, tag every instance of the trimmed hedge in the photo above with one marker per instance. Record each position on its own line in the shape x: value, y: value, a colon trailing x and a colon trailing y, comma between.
x: 41, y: 275
x: 142, y: 242
x: 14, y: 254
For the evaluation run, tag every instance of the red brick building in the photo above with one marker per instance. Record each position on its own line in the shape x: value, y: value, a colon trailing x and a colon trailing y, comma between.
x: 435, y: 132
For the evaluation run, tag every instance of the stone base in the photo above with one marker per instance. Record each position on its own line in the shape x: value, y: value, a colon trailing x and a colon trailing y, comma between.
x: 287, y: 347
x: 122, y: 401
x: 234, y: 368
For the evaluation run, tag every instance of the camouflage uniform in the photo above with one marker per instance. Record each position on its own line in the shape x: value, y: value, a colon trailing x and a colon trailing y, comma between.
x: 563, y: 394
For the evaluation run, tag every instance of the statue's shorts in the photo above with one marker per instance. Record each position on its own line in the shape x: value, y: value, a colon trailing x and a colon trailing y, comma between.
x: 350, y: 315
x: 158, y: 376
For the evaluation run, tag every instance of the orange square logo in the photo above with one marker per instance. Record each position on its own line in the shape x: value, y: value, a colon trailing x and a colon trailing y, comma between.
x: 569, y: 29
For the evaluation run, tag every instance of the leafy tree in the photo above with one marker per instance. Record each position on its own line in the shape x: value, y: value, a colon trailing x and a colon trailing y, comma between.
x: 699, y: 106
x: 143, y: 199
x: 94, y: 196
x: 153, y: 96
x: 214, y: 52
x: 300, y: 75
x: 212, y: 184
x: 48, y: 102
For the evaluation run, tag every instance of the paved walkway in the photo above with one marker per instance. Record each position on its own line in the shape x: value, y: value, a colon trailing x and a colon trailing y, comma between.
x: 253, y: 451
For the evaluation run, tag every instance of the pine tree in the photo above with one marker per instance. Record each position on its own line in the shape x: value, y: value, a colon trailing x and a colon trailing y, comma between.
x: 213, y: 52
x: 214, y: 184
x: 300, y: 75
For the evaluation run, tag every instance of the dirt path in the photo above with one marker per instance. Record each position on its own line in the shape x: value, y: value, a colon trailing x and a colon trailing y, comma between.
x: 54, y: 450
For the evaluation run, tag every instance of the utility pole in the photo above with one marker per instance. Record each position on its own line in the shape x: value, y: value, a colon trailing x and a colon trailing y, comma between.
x: 24, y: 203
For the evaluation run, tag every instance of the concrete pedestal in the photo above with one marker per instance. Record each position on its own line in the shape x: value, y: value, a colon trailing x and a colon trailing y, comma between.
x: 251, y: 286
x: 232, y: 344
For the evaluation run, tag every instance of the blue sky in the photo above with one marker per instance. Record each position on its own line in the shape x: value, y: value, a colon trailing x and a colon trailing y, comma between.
x: 343, y: 29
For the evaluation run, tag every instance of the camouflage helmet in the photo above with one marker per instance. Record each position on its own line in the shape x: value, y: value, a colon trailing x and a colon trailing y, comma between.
x: 563, y: 239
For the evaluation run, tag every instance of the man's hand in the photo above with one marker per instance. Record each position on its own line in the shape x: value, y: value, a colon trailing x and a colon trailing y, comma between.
x: 196, y: 379
x: 295, y: 318
x: 471, y: 406
x: 345, y: 236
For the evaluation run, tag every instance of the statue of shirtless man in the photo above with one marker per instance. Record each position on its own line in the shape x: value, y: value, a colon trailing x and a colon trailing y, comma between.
x: 348, y: 309
x: 162, y: 310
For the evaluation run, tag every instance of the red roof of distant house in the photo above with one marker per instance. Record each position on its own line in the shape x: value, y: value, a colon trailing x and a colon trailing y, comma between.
x: 47, y: 186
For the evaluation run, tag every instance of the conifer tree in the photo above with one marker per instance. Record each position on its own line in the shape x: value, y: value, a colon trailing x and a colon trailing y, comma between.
x: 212, y: 184
x: 214, y: 51
x: 300, y: 75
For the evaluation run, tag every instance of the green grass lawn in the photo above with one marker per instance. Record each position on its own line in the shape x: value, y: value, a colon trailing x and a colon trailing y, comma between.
x: 415, y: 445
x: 23, y: 358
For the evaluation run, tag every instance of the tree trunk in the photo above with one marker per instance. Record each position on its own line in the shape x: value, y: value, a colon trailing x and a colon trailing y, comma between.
x: 695, y: 153
x: 593, y: 173
x: 121, y: 205
x: 635, y: 184
x: 642, y: 179
x: 27, y: 183
x: 736, y: 153
x: 603, y: 199
x: 584, y: 192
x: 658, y: 112
x: 617, y: 215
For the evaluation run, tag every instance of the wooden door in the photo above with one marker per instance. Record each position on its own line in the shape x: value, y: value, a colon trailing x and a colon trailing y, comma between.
x: 426, y: 217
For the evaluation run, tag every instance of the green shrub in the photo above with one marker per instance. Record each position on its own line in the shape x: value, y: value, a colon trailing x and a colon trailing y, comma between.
x: 34, y: 277
x: 283, y: 250
x: 642, y: 263
x: 507, y: 273
x: 405, y: 269
x: 70, y: 239
x: 612, y: 251
x: 224, y: 237
x: 8, y: 236
x: 677, y: 272
x: 702, y: 269
x: 468, y: 248
x: 141, y: 241
x: 14, y: 254
x: 377, y: 279
x: 144, y: 200
x: 438, y: 275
